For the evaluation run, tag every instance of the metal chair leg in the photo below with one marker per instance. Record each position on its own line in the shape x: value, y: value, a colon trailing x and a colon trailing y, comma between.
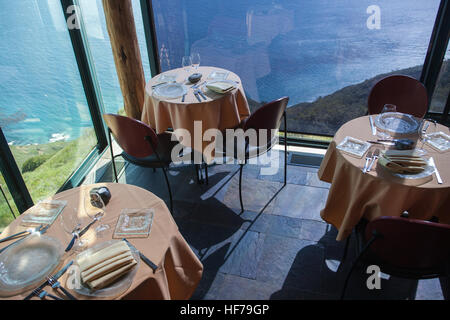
x: 375, y: 236
x: 206, y: 173
x: 240, y: 188
x: 168, y: 187
x: 112, y: 156
x: 285, y: 148
x: 344, y: 256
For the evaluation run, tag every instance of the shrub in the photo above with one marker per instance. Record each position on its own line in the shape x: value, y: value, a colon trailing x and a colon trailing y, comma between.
x: 34, y: 162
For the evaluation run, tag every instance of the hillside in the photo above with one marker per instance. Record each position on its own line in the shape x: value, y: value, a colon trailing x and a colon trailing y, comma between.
x: 326, y: 114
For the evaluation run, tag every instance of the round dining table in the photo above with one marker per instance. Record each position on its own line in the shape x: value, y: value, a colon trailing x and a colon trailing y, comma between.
x: 179, y: 270
x: 195, y: 114
x: 354, y: 195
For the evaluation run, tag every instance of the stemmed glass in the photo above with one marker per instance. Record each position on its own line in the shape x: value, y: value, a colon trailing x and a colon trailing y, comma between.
x: 95, y: 209
x: 386, y: 108
x: 186, y: 62
x: 195, y: 60
x: 426, y: 127
x: 72, y: 224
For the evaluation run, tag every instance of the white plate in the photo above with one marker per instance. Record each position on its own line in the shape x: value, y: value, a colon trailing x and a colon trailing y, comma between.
x: 438, y: 140
x: 354, y: 147
x: 117, y: 287
x: 229, y: 82
x: 412, y: 179
x: 397, y: 123
x: 171, y: 90
x: 26, y: 264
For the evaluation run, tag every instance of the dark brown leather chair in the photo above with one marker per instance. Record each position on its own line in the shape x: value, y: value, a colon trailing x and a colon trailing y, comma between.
x: 140, y: 144
x: 408, y: 94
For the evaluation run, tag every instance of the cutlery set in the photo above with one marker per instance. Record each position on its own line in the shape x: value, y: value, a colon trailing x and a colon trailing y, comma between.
x: 371, y: 157
x: 53, y: 281
x: 41, y: 230
x: 197, y: 92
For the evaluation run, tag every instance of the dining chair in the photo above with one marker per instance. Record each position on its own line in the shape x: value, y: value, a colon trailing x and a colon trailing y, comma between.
x: 403, y: 247
x: 140, y: 144
x: 267, y: 117
x: 408, y: 94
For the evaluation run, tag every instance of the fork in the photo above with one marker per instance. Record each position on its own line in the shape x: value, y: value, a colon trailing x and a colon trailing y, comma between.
x: 368, y: 158
x: 56, y: 285
x: 375, y: 156
x: 42, y: 294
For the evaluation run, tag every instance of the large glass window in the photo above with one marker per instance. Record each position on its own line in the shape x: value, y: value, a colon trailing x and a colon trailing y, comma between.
x: 100, y: 47
x: 442, y: 88
x: 8, y: 209
x: 324, y: 55
x: 43, y: 109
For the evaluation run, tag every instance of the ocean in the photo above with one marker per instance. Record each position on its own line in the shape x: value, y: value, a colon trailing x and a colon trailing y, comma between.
x: 304, y: 49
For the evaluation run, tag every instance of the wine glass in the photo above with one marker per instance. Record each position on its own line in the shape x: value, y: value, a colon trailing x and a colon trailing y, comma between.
x: 426, y: 127
x: 195, y: 60
x: 186, y: 62
x: 389, y: 108
x: 72, y: 223
x: 386, y: 108
x: 95, y: 209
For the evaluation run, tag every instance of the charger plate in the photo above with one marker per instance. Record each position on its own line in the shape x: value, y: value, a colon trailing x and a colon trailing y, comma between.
x: 26, y: 264
x: 113, y: 290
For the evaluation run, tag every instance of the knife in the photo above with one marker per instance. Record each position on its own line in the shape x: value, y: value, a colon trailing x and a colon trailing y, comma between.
x: 40, y: 230
x: 375, y: 156
x: 56, y: 277
x: 374, y: 129
x: 144, y: 258
x: 201, y: 93
x: 19, y: 234
x: 78, y: 235
x: 436, y: 172
x: 387, y: 143
x: 198, y: 98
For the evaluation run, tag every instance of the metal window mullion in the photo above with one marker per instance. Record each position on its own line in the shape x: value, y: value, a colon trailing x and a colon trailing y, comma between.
x: 13, y: 177
x: 436, y: 50
x: 150, y: 36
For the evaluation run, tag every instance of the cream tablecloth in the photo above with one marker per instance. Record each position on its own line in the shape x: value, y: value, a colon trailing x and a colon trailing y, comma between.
x: 354, y: 195
x: 180, y: 270
x: 217, y: 112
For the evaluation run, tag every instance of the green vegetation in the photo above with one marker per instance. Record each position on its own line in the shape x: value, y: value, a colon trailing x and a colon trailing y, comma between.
x: 327, y: 114
x: 62, y: 159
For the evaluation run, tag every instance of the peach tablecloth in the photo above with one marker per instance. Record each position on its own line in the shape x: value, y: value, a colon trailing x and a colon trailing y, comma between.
x: 217, y: 112
x: 354, y: 195
x: 180, y: 270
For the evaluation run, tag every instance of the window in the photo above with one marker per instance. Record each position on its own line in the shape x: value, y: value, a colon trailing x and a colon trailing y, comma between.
x: 442, y: 89
x: 324, y: 55
x: 43, y: 109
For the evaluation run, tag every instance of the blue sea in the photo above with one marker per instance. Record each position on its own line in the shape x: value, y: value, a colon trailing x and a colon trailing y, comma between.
x: 304, y: 49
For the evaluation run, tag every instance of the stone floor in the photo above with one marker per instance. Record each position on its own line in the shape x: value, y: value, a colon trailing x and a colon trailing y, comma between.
x: 278, y: 249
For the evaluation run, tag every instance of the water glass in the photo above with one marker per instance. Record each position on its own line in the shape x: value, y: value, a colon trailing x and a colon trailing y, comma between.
x: 389, y: 108
x: 195, y: 57
x: 386, y: 108
x: 72, y: 224
x: 426, y: 127
x: 95, y: 208
x: 186, y: 62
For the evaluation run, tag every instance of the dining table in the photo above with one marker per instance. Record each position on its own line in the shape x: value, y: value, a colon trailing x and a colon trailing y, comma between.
x: 195, y: 113
x: 354, y: 195
x: 177, y: 269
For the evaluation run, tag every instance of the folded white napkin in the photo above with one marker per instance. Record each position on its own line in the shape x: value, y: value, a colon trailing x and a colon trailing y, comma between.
x: 220, y: 87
